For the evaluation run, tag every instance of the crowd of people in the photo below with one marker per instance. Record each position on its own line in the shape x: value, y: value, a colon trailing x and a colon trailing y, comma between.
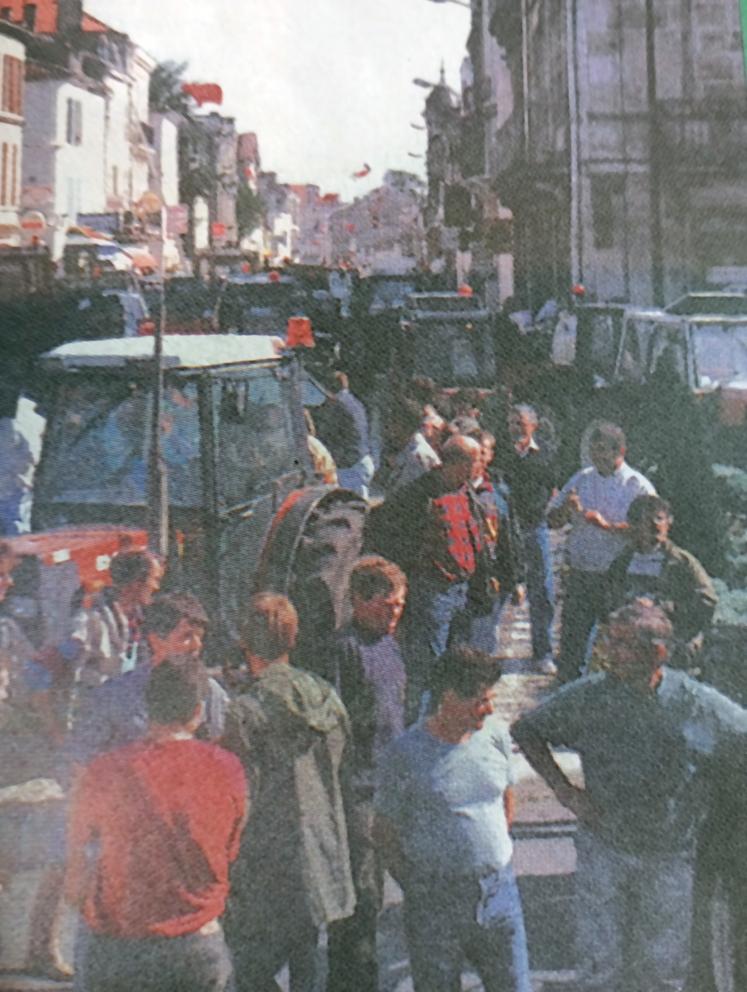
x: 214, y: 822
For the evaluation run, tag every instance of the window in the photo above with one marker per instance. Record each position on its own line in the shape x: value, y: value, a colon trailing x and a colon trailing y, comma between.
x: 12, y: 96
x: 6, y: 13
x: 4, y: 175
x: 29, y: 16
x: 607, y: 193
x: 74, y: 127
x: 255, y: 437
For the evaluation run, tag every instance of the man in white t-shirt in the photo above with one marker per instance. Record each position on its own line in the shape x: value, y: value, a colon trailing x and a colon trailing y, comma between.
x: 595, y: 502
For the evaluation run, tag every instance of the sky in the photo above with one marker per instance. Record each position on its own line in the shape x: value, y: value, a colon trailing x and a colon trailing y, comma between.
x: 326, y: 84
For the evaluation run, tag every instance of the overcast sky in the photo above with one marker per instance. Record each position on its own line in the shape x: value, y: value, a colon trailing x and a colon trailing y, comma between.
x: 326, y: 84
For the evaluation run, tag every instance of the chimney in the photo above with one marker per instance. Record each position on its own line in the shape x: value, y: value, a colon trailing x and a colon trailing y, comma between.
x: 69, y: 16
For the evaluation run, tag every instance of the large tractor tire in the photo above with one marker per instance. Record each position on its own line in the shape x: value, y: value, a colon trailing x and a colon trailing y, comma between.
x: 315, y: 543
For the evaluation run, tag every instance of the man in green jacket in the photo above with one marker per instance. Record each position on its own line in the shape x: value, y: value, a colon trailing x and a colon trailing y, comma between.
x: 292, y: 733
x: 654, y: 567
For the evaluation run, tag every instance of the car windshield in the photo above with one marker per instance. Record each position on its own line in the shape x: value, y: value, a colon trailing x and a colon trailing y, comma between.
x: 453, y: 354
x: 260, y: 308
x: 97, y: 449
x: 720, y: 353
x: 650, y: 346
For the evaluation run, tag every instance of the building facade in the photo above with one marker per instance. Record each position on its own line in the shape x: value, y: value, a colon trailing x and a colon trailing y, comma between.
x: 621, y: 143
x: 12, y: 82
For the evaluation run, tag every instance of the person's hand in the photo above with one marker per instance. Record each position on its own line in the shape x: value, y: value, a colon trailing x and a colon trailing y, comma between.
x: 518, y: 595
x: 595, y: 518
x: 579, y: 803
x: 573, y: 501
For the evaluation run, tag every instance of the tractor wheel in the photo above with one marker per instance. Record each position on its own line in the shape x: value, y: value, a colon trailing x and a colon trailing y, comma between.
x: 311, y: 559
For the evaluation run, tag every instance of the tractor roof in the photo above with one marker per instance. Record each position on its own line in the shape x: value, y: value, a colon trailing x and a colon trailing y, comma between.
x: 180, y: 351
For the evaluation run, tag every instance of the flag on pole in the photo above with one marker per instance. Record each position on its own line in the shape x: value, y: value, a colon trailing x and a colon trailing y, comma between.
x: 362, y: 173
x: 203, y: 92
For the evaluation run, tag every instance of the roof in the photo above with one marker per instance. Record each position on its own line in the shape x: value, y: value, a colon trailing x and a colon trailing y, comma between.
x: 93, y: 24
x: 180, y: 351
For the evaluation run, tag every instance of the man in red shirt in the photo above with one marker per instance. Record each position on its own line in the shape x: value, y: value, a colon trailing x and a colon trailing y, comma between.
x: 153, y: 829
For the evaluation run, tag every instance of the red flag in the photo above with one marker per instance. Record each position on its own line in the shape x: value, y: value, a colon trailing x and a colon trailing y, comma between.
x: 362, y: 173
x: 203, y: 92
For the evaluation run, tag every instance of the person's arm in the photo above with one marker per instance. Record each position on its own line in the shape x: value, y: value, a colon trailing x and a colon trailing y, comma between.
x: 386, y: 840
x: 509, y: 805
x: 80, y: 861
x: 563, y: 506
x: 537, y: 752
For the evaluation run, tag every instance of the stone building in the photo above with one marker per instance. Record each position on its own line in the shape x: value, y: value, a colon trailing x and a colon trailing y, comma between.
x: 620, y: 143
x: 12, y: 62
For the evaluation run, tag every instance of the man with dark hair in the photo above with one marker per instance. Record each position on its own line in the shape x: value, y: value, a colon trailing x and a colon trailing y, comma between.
x: 342, y: 424
x: 444, y: 809
x: 653, y: 566
x: 369, y: 674
x: 651, y: 742
x: 293, y: 874
x: 595, y: 502
x: 528, y: 467
x: 115, y: 713
x: 153, y: 829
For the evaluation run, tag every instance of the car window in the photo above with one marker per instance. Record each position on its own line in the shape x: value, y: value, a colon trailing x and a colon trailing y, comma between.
x: 255, y: 435
x: 720, y: 353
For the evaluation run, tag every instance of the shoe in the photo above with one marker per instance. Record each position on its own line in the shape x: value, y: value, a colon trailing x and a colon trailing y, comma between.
x: 546, y: 666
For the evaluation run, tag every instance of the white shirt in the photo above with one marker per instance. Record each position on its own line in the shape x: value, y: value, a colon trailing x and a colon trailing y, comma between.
x: 589, y: 548
x: 415, y: 459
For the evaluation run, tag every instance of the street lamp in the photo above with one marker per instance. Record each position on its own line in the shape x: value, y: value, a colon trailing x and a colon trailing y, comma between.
x: 415, y: 155
x: 418, y: 127
x: 459, y: 3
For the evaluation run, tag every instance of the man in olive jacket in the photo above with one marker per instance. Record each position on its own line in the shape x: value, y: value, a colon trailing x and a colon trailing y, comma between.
x: 653, y: 566
x: 292, y: 734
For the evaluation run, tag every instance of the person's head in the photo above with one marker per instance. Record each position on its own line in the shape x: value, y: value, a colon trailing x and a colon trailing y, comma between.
x: 607, y: 448
x: 522, y: 422
x: 269, y: 630
x: 432, y: 425
x: 636, y: 643
x: 458, y: 456
x: 8, y: 561
x: 487, y: 449
x: 136, y: 576
x: 378, y: 590
x: 466, y: 425
x: 463, y: 686
x: 650, y: 518
x: 175, y: 695
x: 174, y: 624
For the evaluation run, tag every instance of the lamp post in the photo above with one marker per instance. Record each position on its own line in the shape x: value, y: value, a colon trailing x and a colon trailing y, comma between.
x: 418, y: 127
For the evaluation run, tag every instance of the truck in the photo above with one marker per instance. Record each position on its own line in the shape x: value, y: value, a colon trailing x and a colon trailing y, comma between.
x: 243, y: 511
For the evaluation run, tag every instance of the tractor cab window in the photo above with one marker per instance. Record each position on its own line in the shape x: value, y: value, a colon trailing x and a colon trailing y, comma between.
x: 99, y: 443
x: 720, y: 353
x: 255, y: 435
x: 650, y: 347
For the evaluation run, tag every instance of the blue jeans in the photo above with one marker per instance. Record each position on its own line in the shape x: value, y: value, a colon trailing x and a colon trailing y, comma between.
x: 432, y: 608
x: 633, y: 916
x: 194, y: 963
x: 540, y: 591
x: 448, y: 920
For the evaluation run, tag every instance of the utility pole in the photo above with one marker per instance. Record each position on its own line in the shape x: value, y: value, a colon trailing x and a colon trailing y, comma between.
x: 654, y: 152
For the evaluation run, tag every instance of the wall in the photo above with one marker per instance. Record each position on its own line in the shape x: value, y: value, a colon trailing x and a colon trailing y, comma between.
x: 11, y: 145
x: 60, y: 178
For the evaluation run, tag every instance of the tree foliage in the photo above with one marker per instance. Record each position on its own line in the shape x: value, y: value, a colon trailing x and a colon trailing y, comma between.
x: 249, y: 210
x: 166, y: 89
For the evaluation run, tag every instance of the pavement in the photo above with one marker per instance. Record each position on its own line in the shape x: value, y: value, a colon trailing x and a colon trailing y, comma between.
x: 544, y: 857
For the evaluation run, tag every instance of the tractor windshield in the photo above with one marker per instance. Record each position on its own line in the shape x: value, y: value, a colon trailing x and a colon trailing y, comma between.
x: 97, y: 447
